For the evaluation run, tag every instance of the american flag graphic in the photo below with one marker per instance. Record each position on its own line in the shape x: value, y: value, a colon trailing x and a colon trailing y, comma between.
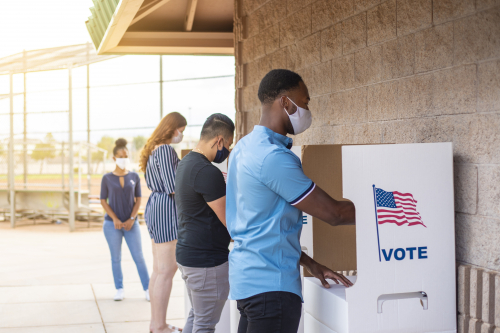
x: 396, y: 207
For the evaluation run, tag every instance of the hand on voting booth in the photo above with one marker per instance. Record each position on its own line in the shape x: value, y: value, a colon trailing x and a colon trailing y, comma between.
x: 323, y: 273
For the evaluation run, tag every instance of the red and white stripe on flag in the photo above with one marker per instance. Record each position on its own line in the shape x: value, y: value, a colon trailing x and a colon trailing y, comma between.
x: 405, y: 212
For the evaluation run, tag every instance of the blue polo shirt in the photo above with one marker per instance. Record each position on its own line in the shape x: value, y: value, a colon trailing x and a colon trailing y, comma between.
x: 264, y: 182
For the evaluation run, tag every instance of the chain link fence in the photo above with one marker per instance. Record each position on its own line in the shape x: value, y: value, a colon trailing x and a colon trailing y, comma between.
x: 42, y: 180
x: 48, y: 98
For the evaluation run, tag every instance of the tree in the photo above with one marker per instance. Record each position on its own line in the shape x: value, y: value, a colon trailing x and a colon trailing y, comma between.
x: 107, y: 143
x: 44, y: 150
x: 139, y: 142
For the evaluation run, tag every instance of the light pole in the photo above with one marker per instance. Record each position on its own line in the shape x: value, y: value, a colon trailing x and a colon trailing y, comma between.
x: 11, y: 155
x: 71, y: 218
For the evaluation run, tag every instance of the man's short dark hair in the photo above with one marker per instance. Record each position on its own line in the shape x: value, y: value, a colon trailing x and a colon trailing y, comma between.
x: 277, y: 82
x: 217, y: 124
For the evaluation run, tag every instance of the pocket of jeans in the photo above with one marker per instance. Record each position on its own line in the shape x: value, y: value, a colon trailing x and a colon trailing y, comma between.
x: 272, y: 304
x: 255, y: 307
x: 196, y: 278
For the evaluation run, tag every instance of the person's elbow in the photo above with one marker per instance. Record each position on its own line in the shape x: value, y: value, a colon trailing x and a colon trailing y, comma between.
x: 334, y: 218
x: 342, y: 214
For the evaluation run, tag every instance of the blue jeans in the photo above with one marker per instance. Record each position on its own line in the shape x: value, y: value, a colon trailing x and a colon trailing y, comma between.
x: 133, y: 239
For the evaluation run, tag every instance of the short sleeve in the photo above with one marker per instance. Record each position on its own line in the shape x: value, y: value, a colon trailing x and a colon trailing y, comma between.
x: 104, y: 188
x: 138, y: 192
x: 282, y: 173
x: 209, y: 182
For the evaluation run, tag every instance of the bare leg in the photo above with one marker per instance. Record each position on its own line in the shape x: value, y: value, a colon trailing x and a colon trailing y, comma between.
x: 166, y: 266
x: 152, y: 280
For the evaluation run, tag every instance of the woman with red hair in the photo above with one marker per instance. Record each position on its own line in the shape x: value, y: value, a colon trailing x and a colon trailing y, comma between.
x: 159, y: 162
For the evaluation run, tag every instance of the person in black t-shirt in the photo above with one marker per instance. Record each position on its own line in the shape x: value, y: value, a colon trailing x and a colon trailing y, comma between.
x: 203, y: 241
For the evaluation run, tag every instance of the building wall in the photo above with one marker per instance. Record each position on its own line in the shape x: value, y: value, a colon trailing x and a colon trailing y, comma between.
x: 396, y: 71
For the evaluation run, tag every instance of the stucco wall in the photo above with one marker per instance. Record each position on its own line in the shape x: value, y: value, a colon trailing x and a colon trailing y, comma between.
x: 397, y: 71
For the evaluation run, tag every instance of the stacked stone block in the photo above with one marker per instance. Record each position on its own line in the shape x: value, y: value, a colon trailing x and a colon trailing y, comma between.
x: 478, y: 300
x: 396, y: 71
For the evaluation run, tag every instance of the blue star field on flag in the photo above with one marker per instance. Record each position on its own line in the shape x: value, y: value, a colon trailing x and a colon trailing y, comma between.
x: 385, y: 199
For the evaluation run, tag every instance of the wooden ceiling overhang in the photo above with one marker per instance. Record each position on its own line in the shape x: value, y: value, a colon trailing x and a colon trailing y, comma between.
x: 203, y: 27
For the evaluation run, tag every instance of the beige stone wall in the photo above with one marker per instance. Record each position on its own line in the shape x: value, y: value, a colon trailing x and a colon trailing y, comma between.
x: 396, y: 71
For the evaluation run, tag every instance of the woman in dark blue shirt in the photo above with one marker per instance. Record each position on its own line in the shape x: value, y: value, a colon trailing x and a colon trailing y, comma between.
x: 121, y: 199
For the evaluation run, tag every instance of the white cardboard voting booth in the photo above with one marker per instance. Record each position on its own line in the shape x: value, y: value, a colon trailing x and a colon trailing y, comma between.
x: 404, y: 239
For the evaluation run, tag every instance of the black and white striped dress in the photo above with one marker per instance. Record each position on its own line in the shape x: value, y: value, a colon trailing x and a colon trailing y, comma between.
x: 161, y: 214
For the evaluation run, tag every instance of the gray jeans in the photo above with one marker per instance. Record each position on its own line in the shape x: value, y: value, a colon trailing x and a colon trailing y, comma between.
x: 207, y: 289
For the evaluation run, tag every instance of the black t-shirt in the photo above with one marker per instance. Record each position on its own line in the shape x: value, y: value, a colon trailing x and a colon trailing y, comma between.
x: 203, y: 240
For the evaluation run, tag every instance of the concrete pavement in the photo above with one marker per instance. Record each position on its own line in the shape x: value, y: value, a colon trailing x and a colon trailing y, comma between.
x: 52, y: 280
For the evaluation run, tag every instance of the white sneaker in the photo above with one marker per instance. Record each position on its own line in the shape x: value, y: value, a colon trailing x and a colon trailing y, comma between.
x: 147, y: 295
x: 120, y: 295
x: 176, y: 329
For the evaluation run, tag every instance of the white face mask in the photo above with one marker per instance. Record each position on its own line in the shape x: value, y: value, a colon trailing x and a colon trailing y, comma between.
x: 122, y: 163
x: 301, y: 119
x: 177, y: 138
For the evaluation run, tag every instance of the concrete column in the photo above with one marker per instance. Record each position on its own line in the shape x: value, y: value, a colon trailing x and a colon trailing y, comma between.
x: 161, y: 87
x: 25, y: 121
x: 89, y: 153
x: 62, y: 165
x: 71, y: 217
x: 11, y: 155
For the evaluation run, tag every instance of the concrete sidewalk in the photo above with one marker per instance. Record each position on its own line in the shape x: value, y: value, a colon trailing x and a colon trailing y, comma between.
x: 55, y: 281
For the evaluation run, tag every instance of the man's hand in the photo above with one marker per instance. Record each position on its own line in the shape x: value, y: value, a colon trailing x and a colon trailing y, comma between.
x: 322, y: 272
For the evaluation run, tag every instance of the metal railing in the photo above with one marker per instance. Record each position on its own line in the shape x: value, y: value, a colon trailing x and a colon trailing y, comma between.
x: 41, y: 171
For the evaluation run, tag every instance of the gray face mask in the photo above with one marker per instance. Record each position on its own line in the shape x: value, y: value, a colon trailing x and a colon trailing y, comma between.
x: 301, y: 119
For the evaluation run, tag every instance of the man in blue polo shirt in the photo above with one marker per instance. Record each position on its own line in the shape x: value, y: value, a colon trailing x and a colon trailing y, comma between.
x: 267, y: 192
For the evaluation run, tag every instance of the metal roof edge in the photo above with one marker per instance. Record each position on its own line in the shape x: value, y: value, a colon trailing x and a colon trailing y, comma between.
x: 98, y: 22
x: 53, y: 58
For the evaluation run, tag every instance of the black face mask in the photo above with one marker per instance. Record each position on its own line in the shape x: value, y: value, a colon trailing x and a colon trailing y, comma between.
x: 221, y: 155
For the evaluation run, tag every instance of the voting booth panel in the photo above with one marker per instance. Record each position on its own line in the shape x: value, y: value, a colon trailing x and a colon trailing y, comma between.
x: 402, y: 246
x: 323, y: 164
